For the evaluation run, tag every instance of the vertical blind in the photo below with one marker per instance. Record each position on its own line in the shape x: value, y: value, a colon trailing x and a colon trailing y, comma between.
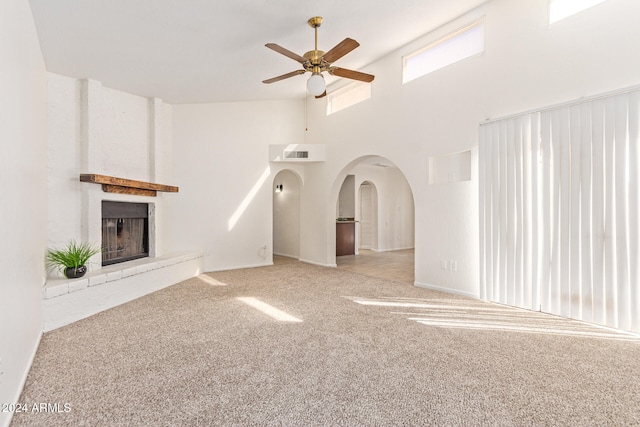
x: 559, y: 210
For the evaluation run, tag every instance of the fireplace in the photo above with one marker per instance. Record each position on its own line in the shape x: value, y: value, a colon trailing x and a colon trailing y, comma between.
x: 125, y: 231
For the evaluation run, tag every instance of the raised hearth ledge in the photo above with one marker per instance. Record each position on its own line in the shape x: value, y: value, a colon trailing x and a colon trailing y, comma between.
x: 68, y: 300
x: 56, y: 287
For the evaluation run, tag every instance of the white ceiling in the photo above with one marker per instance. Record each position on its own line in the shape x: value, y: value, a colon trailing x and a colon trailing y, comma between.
x: 194, y: 51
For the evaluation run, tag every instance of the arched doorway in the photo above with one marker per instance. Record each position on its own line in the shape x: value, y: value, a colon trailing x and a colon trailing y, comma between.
x: 384, y: 218
x: 286, y: 214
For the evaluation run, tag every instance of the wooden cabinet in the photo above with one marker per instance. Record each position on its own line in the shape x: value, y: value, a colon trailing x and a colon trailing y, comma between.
x: 345, y: 238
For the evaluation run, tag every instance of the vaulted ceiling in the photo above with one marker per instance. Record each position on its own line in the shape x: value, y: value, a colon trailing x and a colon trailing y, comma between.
x: 195, y: 51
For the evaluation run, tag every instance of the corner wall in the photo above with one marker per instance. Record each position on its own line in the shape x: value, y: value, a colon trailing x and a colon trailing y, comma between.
x: 98, y: 130
x: 226, y: 179
x: 23, y: 210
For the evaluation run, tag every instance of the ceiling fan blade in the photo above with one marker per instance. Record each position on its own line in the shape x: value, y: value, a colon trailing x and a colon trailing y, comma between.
x: 322, y: 95
x: 340, y: 50
x: 284, y: 76
x: 350, y: 74
x: 286, y: 52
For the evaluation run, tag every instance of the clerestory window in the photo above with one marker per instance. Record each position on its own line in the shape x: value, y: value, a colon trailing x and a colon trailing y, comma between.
x: 461, y: 44
x: 560, y: 9
x: 347, y: 96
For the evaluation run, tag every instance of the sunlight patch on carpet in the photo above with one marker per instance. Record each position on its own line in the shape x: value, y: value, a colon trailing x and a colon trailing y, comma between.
x: 477, y: 315
x: 407, y: 304
x: 561, y: 328
x: 210, y: 280
x: 269, y: 310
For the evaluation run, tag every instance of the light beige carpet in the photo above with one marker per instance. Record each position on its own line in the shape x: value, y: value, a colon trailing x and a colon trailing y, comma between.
x: 366, y: 351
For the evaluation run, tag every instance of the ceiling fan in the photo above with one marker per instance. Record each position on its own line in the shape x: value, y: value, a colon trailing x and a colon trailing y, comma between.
x: 316, y: 62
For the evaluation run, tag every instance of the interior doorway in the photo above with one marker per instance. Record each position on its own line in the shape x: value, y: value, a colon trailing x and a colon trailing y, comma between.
x: 286, y: 214
x: 384, y: 217
x: 368, y: 196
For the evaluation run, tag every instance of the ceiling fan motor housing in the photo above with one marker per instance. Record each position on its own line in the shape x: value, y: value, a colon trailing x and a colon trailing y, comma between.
x: 314, y: 59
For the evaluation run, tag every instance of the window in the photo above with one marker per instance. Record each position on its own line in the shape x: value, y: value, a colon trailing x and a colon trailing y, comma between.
x: 347, y: 96
x: 461, y: 44
x: 560, y: 9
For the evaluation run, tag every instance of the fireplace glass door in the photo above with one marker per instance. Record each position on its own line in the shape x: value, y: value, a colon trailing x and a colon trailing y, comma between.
x: 125, y: 229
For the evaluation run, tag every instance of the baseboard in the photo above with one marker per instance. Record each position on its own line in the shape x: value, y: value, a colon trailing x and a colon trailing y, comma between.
x: 285, y: 255
x: 239, y: 267
x: 318, y: 263
x: 393, y: 249
x: 7, y: 422
x: 471, y: 295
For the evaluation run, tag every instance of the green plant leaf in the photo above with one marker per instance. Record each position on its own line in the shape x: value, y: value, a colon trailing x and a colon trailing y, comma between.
x: 72, y: 255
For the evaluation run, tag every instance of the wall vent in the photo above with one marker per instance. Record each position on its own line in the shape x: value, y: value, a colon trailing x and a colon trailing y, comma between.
x: 296, y: 154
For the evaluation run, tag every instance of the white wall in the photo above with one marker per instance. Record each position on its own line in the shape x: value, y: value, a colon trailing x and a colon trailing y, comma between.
x: 23, y: 210
x: 395, y: 216
x: 220, y: 152
x: 98, y: 130
x: 346, y: 206
x: 221, y: 163
x: 286, y: 215
x: 527, y: 64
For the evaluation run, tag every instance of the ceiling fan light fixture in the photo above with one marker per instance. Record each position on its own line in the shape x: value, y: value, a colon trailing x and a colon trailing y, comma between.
x: 316, y: 85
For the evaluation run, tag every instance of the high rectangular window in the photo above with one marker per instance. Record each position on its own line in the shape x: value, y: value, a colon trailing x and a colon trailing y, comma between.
x: 560, y: 9
x: 347, y: 96
x: 461, y: 44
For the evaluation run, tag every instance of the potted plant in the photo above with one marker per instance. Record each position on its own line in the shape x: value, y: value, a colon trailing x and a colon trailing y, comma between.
x: 71, y: 260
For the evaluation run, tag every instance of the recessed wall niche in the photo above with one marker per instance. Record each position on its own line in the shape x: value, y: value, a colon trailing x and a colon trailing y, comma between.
x: 449, y: 168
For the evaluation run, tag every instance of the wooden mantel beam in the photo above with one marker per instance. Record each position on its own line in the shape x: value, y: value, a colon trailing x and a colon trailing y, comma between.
x: 112, y: 184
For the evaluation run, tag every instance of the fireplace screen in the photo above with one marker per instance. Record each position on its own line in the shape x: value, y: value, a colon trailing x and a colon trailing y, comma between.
x: 125, y: 231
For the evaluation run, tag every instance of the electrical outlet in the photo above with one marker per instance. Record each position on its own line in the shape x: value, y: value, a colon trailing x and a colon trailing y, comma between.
x: 1, y: 372
x: 453, y: 265
x: 443, y: 264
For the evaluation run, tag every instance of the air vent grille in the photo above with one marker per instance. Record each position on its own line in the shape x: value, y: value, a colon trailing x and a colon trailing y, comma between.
x: 296, y: 154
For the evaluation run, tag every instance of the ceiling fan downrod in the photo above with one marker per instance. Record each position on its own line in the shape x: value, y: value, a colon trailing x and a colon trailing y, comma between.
x: 315, y: 56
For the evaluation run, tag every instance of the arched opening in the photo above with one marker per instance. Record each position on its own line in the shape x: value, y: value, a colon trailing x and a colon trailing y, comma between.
x: 383, y: 217
x: 286, y: 214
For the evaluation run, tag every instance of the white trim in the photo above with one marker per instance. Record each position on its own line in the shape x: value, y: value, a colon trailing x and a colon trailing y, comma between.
x: 392, y: 249
x: 318, y: 263
x: 285, y: 255
x: 472, y: 295
x: 240, y: 267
